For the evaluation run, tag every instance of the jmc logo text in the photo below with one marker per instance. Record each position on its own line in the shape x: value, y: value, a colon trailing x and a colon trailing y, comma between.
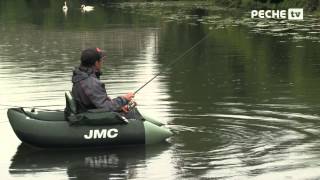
x: 101, y: 133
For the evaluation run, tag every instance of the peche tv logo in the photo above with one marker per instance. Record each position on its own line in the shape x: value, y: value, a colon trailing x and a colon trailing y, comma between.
x: 290, y: 14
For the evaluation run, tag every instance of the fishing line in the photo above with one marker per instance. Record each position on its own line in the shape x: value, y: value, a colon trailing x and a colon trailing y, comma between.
x: 174, y: 61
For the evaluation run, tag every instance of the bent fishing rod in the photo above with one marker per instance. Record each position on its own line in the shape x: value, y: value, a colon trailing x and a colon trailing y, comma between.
x: 173, y: 63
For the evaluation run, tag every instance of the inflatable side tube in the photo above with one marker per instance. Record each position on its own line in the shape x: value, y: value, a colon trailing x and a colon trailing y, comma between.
x: 152, y: 120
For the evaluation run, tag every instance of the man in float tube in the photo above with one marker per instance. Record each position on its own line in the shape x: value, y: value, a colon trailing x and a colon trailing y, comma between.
x: 88, y: 91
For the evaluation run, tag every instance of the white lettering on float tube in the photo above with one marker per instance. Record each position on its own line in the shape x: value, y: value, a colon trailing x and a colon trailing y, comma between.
x: 101, y: 134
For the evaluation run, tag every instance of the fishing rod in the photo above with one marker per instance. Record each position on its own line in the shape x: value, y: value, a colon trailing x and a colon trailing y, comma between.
x: 33, y: 107
x: 174, y: 62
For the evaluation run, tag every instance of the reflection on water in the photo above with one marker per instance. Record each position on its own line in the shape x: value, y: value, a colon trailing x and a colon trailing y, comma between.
x: 108, y: 163
x: 242, y: 105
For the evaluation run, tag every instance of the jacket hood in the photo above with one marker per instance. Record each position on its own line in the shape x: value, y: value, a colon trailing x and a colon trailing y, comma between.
x: 82, y: 73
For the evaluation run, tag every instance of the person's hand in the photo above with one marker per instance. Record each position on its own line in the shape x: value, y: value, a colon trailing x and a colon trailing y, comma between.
x: 129, y: 96
x: 125, y: 108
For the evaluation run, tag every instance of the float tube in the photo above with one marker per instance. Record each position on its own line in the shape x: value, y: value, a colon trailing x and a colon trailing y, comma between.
x: 95, y: 129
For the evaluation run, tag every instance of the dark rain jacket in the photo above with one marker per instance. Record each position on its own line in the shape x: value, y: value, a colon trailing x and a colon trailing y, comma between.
x: 90, y: 93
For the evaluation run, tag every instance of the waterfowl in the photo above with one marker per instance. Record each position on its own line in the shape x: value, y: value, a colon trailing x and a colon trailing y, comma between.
x: 65, y: 7
x: 85, y: 8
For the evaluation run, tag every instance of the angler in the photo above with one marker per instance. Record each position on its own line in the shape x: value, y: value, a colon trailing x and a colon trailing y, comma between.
x: 88, y: 91
x: 74, y: 125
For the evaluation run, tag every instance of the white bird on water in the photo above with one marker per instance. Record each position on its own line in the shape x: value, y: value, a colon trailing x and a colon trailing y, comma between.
x: 85, y: 8
x: 65, y: 7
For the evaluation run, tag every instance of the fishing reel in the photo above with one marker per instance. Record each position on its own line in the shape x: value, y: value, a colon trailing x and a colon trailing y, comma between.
x: 131, y: 105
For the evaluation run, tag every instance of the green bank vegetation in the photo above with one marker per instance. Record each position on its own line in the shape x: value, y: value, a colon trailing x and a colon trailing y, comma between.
x: 308, y: 5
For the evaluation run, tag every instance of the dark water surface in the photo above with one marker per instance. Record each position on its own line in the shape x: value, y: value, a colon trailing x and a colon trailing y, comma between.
x: 243, y: 104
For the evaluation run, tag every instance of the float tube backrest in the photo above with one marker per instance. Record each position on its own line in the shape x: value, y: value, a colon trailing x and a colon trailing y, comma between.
x: 93, y: 117
x: 70, y: 103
